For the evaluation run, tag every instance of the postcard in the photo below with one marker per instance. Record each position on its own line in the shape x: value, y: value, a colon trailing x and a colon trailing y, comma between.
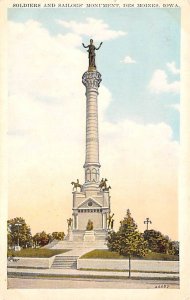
x: 95, y: 143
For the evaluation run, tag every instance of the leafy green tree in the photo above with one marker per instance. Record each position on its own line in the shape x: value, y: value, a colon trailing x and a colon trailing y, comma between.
x: 9, y: 238
x: 157, y: 242
x: 153, y: 239
x: 113, y: 241
x: 18, y: 233
x: 41, y: 239
x: 175, y: 247
x: 50, y: 237
x: 128, y: 241
x: 36, y: 240
x: 58, y: 235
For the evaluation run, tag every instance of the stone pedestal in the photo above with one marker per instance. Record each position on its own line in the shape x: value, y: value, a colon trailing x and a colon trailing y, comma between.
x: 89, y: 236
x: 70, y: 235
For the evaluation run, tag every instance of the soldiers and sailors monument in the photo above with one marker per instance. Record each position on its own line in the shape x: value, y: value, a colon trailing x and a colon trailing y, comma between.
x: 91, y: 212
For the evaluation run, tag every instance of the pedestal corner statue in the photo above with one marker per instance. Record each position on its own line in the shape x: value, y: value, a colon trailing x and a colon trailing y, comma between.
x: 91, y: 219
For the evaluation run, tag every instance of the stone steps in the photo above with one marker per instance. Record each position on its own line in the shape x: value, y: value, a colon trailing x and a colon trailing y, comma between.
x: 64, y: 262
x: 73, y: 245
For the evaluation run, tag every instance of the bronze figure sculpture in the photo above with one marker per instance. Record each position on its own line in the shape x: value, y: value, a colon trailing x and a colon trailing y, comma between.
x: 89, y: 225
x: 69, y: 222
x: 76, y: 185
x: 92, y: 54
x: 110, y: 221
x: 103, y: 185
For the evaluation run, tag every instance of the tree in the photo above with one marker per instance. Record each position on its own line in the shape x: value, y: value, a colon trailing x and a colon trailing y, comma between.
x: 128, y: 241
x: 113, y: 241
x: 58, y: 235
x: 175, y: 246
x: 41, y: 239
x: 157, y: 242
x: 9, y: 238
x: 36, y: 239
x: 18, y: 233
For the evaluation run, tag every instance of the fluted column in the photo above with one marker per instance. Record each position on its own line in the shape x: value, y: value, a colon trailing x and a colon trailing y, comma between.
x: 92, y: 80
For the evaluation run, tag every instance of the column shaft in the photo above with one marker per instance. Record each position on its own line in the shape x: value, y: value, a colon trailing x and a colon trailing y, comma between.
x: 92, y: 80
x: 92, y: 141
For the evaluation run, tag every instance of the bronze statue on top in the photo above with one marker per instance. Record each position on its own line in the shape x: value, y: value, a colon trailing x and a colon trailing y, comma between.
x: 92, y: 54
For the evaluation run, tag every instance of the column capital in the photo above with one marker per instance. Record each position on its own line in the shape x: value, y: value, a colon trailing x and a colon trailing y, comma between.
x: 91, y: 79
x: 91, y: 164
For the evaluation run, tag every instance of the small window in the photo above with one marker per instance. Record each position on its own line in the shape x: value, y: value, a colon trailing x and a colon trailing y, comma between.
x: 94, y: 175
x: 88, y: 175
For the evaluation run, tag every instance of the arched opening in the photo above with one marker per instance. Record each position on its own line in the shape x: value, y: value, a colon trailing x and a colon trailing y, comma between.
x: 94, y: 175
x: 88, y: 175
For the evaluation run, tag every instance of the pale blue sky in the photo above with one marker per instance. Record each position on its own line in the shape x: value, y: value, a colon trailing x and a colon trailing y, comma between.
x: 152, y: 40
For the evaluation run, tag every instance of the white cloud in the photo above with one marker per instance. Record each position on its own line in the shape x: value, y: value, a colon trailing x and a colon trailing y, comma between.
x: 47, y: 135
x: 128, y: 60
x: 172, y: 67
x: 159, y: 83
x: 94, y: 28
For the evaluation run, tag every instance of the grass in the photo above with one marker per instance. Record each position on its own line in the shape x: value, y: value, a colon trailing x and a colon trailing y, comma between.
x: 32, y: 252
x: 103, y: 254
x: 161, y: 256
x: 106, y: 254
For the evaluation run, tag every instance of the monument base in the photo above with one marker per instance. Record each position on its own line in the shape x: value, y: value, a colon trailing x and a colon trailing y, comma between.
x: 70, y: 235
x: 89, y: 236
x: 85, y: 235
x: 94, y: 239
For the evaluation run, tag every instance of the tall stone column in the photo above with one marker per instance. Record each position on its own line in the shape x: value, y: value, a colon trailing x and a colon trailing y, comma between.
x: 91, y: 80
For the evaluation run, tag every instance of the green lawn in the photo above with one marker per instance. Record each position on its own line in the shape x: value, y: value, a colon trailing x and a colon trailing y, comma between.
x: 161, y: 256
x: 106, y: 254
x: 32, y: 252
x: 103, y: 254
